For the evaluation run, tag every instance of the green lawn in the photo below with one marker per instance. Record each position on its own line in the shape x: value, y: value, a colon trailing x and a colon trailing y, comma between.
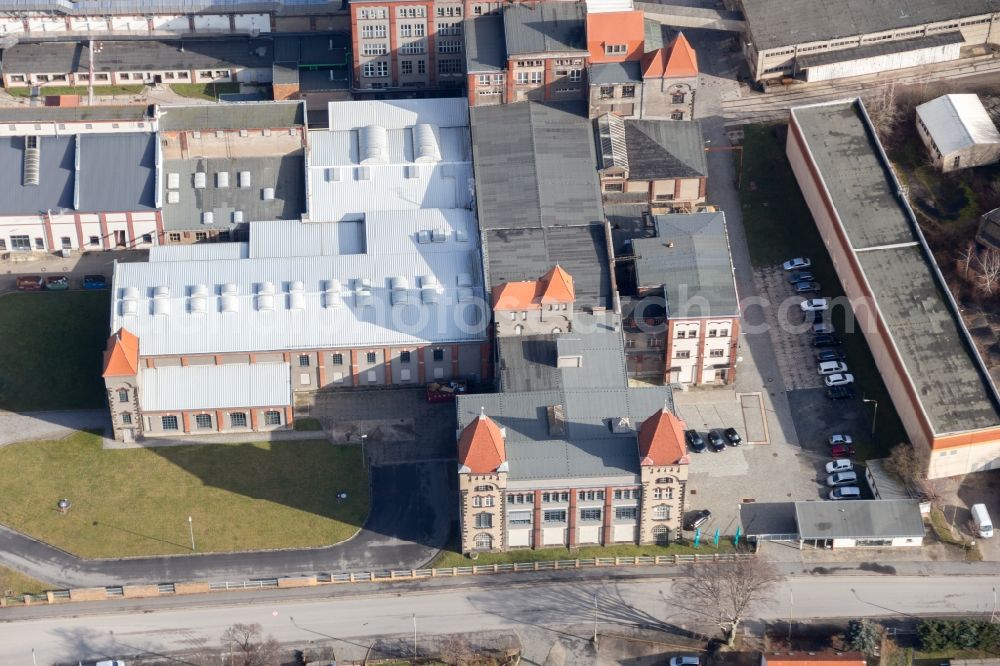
x: 15, y: 584
x: 779, y: 226
x: 451, y: 558
x: 52, y: 349
x: 204, y: 90
x: 78, y: 90
x: 137, y: 501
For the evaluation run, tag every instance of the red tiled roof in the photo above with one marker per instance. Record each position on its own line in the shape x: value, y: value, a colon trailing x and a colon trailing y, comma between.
x: 556, y: 286
x: 615, y: 28
x: 481, y: 447
x: 677, y: 60
x: 121, y: 357
x: 661, y: 440
x: 816, y: 659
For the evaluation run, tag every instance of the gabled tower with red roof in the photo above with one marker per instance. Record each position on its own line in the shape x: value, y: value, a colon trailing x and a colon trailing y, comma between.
x: 482, y: 480
x: 663, y: 472
x: 121, y: 380
x: 670, y: 80
x: 535, y: 307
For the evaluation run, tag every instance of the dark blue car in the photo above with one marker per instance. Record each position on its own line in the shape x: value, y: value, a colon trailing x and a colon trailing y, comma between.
x: 95, y: 282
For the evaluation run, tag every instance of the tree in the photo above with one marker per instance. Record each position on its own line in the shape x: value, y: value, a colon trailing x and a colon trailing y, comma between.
x: 989, y: 271
x: 725, y: 592
x: 909, y: 463
x: 883, y: 110
x: 248, y: 647
x: 863, y: 636
x: 966, y: 257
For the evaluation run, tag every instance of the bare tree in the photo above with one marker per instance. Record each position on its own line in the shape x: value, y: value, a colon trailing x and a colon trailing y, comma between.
x: 989, y: 271
x: 725, y: 592
x: 883, y: 110
x: 965, y: 258
x: 247, y: 646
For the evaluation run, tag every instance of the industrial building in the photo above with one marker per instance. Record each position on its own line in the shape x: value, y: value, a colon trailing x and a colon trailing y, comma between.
x: 384, y: 291
x: 803, y: 40
x: 938, y: 383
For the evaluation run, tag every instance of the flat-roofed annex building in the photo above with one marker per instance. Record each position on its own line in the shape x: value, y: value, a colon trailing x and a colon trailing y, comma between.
x: 821, y: 41
x: 937, y: 381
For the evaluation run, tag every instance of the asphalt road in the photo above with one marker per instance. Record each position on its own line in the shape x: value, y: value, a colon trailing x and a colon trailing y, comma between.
x: 549, y: 604
x: 408, y: 524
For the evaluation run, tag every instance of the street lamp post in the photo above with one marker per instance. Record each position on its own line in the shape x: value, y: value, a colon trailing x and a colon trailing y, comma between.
x: 364, y: 460
x: 595, y: 620
x: 993, y: 615
x: 414, y: 636
x: 791, y: 607
x: 191, y: 530
x: 874, y: 412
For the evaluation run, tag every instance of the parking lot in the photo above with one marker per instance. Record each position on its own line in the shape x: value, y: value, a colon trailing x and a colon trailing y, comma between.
x: 790, y: 333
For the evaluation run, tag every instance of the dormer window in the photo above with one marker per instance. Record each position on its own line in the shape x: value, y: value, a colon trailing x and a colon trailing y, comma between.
x: 615, y: 49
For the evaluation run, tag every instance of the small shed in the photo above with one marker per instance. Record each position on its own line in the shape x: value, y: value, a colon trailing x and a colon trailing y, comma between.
x: 988, y: 234
x: 857, y: 523
x: 958, y: 132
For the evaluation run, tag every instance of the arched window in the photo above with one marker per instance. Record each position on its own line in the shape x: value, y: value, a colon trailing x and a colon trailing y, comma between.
x: 518, y: 330
x: 556, y: 330
x: 661, y: 512
x: 661, y: 535
x: 485, y: 541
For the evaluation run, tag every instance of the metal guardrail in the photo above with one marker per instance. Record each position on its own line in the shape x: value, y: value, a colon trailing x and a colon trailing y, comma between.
x: 164, y: 589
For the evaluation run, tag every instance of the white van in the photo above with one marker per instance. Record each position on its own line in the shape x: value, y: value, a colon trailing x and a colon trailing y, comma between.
x: 981, y: 517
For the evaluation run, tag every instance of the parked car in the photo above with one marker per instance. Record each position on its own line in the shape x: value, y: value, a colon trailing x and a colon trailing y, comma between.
x: 831, y: 367
x: 95, y: 282
x: 732, y: 437
x: 841, y: 393
x: 838, y: 438
x: 826, y: 340
x: 806, y: 287
x: 840, y: 379
x: 694, y: 440
x: 56, y: 282
x: 814, y: 304
x: 797, y: 263
x: 715, y: 440
x: 696, y: 519
x: 800, y: 276
x: 842, y: 479
x: 839, y: 465
x: 841, y: 451
x: 829, y: 355
x: 814, y: 316
x: 29, y: 282
x: 846, y: 493
x: 686, y: 660
x: 823, y: 328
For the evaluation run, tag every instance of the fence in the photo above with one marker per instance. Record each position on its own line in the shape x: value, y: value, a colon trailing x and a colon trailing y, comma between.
x: 172, y: 589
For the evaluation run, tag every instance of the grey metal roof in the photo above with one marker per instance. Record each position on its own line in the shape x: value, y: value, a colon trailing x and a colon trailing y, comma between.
x: 819, y: 58
x: 859, y: 519
x: 665, y: 149
x: 136, y: 55
x: 776, y: 23
x: 49, y: 114
x: 555, y: 182
x: 628, y: 222
x: 546, y: 27
x: 525, y: 254
x: 528, y: 363
x: 285, y: 173
x: 485, y: 50
x: 690, y: 258
x: 226, y: 386
x: 616, y: 72
x: 950, y: 381
x: 249, y: 115
x: 116, y: 174
x: 113, y: 7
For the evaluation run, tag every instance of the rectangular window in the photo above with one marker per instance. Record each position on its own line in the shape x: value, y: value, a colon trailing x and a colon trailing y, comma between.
x: 449, y: 66
x: 438, y: 354
x: 421, y: 67
x: 168, y: 422
x: 628, y: 91
x: 67, y: 244
x: 174, y: 238
x: 618, y: 494
x: 39, y: 243
x: 303, y: 360
x: 677, y: 98
x: 238, y: 419
x: 370, y: 357
x: 3, y: 244
x: 272, y: 418
x: 203, y: 421
x: 575, y: 75
x: 126, y: 418
x: 545, y: 497
x: 477, y: 501
x: 338, y: 359
x: 23, y: 242
x: 405, y: 30
x: 682, y: 353
x: 590, y: 514
x: 122, y: 395
x: 200, y: 236
x: 723, y: 332
x: 615, y: 49
x: 607, y: 92
x: 484, y: 520
x: 614, y: 187
x: 406, y: 67
x: 521, y: 77
x: 554, y: 516
x: 488, y: 500
x: 449, y: 47
x: 404, y: 357
x: 374, y: 31
x: 412, y: 48
x: 374, y: 49
x: 520, y: 517
x: 535, y: 77
x: 147, y: 238
x: 483, y: 79
x: 716, y: 353
x: 376, y: 69
x: 712, y: 332
x: 625, y: 513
